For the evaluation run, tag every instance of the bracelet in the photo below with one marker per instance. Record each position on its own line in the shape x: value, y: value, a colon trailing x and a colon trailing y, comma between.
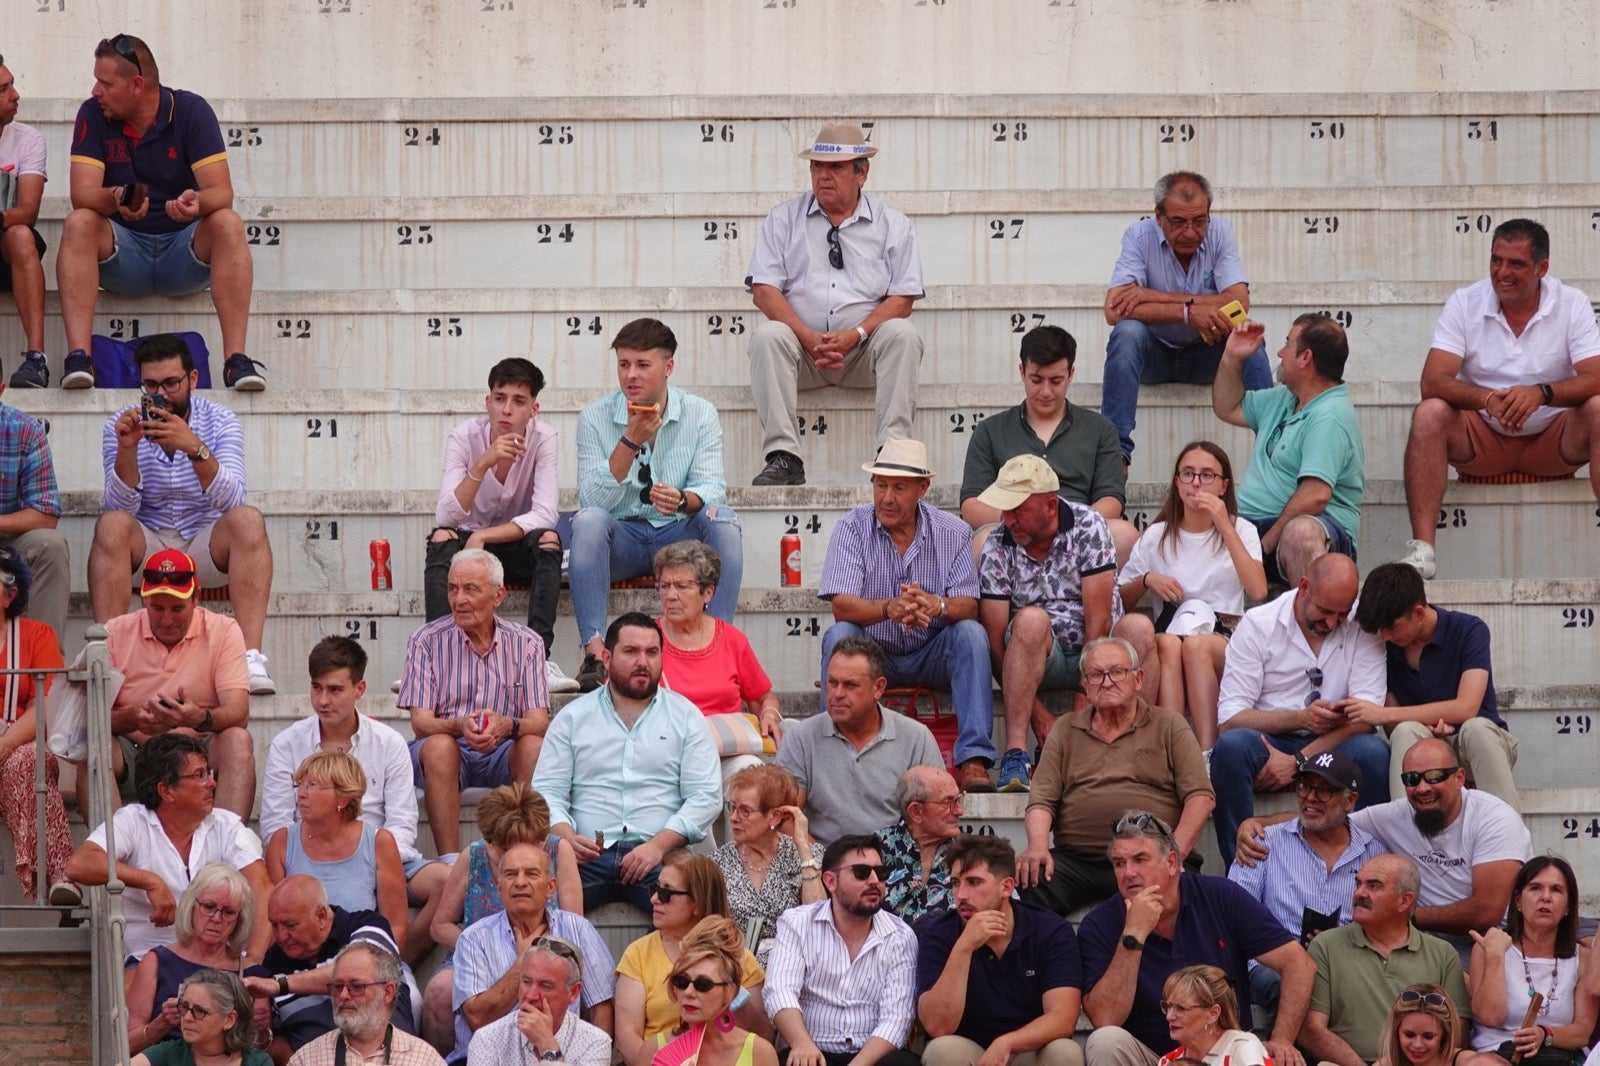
x: 479, y: 480
x: 628, y: 444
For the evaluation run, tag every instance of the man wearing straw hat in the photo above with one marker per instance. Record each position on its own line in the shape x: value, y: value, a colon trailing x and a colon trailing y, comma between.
x: 901, y: 572
x: 835, y: 272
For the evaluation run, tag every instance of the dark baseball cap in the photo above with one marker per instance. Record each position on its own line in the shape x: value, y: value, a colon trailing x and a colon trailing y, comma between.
x: 1335, y: 767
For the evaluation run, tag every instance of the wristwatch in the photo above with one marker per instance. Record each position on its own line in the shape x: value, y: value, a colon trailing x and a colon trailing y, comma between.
x: 200, y: 454
x: 208, y: 722
x: 812, y: 863
x: 283, y: 984
x: 683, y: 502
x: 1131, y: 942
x: 1549, y: 394
x: 862, y: 332
x: 550, y: 1056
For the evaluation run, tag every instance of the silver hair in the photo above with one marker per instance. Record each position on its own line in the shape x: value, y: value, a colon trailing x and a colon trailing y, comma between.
x: 384, y: 964
x: 1133, y: 653
x: 541, y: 946
x: 491, y: 563
x: 913, y: 787
x: 212, y: 875
x: 1178, y: 178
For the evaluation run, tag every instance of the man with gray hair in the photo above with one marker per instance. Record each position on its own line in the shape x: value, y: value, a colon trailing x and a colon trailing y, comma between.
x: 475, y: 686
x: 1362, y: 965
x: 835, y: 272
x: 1116, y: 751
x: 366, y: 979
x: 914, y: 847
x: 1176, y: 272
x: 1162, y: 919
x: 543, y: 1028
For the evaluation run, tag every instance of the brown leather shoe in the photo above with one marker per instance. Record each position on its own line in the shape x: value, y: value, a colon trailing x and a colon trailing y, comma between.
x: 973, y: 776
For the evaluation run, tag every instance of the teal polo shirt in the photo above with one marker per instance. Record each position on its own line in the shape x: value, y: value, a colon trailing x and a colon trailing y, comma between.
x: 1321, y: 440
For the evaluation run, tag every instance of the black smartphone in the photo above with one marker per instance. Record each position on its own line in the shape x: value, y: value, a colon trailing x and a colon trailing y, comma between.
x: 133, y: 194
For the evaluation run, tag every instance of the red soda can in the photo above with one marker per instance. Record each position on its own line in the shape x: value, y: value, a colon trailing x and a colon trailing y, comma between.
x: 382, y: 578
x: 789, y: 559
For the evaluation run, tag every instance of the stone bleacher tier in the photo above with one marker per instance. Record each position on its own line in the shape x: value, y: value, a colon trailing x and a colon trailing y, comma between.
x: 427, y: 193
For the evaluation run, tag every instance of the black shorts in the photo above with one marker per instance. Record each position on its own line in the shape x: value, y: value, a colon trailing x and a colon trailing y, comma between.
x: 5, y: 267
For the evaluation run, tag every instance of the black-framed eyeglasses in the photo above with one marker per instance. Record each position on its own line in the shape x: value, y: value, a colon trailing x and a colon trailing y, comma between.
x: 1116, y: 675
x: 164, y: 385
x: 1205, y: 477
x: 702, y: 984
x: 123, y: 45
x: 1410, y: 997
x: 667, y: 895
x: 1314, y: 679
x: 199, y: 1013
x: 835, y: 249
x: 1316, y: 789
x: 1438, y: 775
x: 214, y: 910
x: 861, y: 871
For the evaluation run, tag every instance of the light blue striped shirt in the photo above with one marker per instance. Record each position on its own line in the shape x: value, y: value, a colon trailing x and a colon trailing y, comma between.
x: 687, y: 453
x: 1293, y: 876
x: 169, y: 496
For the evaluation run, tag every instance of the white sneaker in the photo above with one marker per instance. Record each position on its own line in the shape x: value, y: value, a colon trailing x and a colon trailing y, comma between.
x: 261, y: 683
x: 1419, y: 556
x: 395, y: 686
x: 555, y: 680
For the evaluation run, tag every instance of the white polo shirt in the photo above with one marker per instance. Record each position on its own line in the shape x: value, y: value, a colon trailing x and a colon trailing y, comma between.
x: 1560, y: 334
x: 1268, y: 660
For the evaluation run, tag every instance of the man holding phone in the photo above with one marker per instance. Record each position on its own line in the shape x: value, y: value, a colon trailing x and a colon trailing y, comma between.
x: 152, y: 201
x: 1176, y: 278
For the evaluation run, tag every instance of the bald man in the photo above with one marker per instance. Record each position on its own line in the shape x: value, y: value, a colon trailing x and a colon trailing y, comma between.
x: 914, y: 847
x: 1291, y: 662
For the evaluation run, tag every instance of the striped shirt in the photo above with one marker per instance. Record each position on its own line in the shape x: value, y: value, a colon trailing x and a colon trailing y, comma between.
x: 404, y: 1050
x: 863, y: 561
x: 447, y: 676
x: 169, y: 496
x: 686, y: 453
x: 1293, y: 877
x: 487, y: 948
x: 843, y: 1002
x: 27, y: 474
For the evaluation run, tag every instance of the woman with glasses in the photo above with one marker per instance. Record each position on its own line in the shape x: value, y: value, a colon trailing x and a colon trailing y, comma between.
x: 768, y: 865
x: 1198, y: 560
x: 358, y: 865
x: 1203, y: 1017
x: 214, y: 917
x: 1537, y: 951
x: 1421, y: 1030
x: 27, y: 644
x: 709, y: 662
x: 688, y: 888
x: 214, y: 1020
x: 702, y: 985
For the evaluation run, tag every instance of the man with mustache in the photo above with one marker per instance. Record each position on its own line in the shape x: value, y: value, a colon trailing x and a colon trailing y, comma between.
x: 629, y: 771
x: 1362, y: 966
x: 366, y: 979
x: 1290, y: 663
x: 543, y: 1026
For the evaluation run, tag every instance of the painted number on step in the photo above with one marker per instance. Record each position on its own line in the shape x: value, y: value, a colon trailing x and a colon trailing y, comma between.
x: 298, y: 329
x: 561, y: 232
x: 1022, y: 321
x: 1326, y: 129
x: 774, y: 5
x: 555, y: 134
x: 1482, y: 223
x: 1176, y: 132
x: 50, y: 7
x: 792, y: 525
x: 1483, y: 129
x: 408, y: 235
x: 961, y: 420
x: 1577, y: 617
x: 1321, y: 224
x: 322, y: 529
x: 819, y: 426
x: 1571, y: 827
x: 123, y: 328
x: 322, y: 430
x: 716, y: 326
x: 721, y: 231
x: 244, y: 136
x: 263, y: 235
x: 712, y: 132
x: 1452, y: 518
x: 1344, y: 318
x: 981, y: 829
x: 576, y: 326
x: 1009, y: 131
x: 333, y: 7
x: 802, y: 627
x: 445, y: 326
x: 416, y: 138
x: 1140, y: 520
x: 1001, y: 229
x: 1579, y: 724
x: 361, y: 628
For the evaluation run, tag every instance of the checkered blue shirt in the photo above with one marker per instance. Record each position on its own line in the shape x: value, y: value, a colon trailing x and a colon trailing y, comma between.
x: 27, y: 474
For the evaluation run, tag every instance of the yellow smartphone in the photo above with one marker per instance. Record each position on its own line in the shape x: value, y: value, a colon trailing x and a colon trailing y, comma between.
x: 1234, y: 312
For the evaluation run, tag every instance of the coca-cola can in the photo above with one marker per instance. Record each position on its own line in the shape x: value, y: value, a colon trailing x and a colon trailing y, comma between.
x: 382, y: 577
x: 789, y: 559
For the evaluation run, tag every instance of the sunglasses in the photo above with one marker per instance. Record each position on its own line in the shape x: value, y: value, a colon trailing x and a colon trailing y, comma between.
x: 123, y: 46
x: 1413, y: 778
x: 1314, y: 679
x: 176, y: 578
x: 556, y: 946
x: 198, y: 1012
x: 666, y: 895
x: 702, y: 984
x: 835, y: 249
x: 861, y: 871
x: 1411, y: 998
x: 645, y: 479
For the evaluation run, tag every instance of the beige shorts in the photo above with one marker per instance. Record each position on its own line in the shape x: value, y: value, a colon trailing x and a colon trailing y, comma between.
x: 198, y: 547
x: 1496, y: 453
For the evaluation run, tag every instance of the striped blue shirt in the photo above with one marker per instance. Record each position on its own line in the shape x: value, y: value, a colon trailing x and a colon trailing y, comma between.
x: 686, y: 453
x: 169, y: 496
x: 1293, y: 876
x: 863, y: 561
x: 446, y: 675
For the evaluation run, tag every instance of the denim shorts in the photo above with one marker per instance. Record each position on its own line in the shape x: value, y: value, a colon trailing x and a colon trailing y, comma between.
x: 146, y: 264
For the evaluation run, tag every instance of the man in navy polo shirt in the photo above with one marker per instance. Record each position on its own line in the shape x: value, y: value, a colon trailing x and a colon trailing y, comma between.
x: 1161, y: 920
x: 1439, y: 672
x: 996, y: 977
x: 152, y: 209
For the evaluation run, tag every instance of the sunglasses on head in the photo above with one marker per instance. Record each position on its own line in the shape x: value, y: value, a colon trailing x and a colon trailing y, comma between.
x: 1411, y: 998
x: 123, y: 46
x: 176, y: 578
x: 835, y: 249
x: 702, y: 984
x: 556, y: 946
x: 1412, y: 778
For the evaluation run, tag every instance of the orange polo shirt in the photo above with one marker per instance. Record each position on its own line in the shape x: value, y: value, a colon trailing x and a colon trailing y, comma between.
x: 208, y: 661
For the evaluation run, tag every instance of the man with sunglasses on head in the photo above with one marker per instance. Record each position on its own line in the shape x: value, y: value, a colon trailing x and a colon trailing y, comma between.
x: 839, y: 981
x: 998, y: 980
x: 366, y: 981
x: 543, y: 1027
x: 835, y: 272
x: 152, y: 210
x: 649, y: 475
x: 1292, y: 662
x: 1177, y: 270
x: 175, y: 478
x: 22, y: 157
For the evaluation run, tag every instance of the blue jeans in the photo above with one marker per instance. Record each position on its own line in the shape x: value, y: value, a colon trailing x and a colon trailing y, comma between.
x: 1240, y: 755
x: 956, y: 660
x: 602, y: 880
x: 607, y: 549
x: 1133, y: 357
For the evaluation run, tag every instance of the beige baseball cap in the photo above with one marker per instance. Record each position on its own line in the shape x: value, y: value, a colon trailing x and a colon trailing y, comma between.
x: 1021, y: 477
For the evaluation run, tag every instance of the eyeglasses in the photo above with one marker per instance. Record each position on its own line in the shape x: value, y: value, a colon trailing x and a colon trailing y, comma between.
x: 677, y: 586
x: 1168, y: 1007
x: 198, y: 1012
x: 741, y: 811
x: 666, y: 895
x: 1320, y: 790
x: 213, y: 910
x: 835, y: 250
x: 1116, y: 676
x: 863, y: 870
x: 208, y: 774
x: 1439, y: 774
x: 122, y: 44
x: 1314, y: 679
x: 1205, y: 477
x: 176, y: 578
x: 1410, y: 997
x: 355, y: 988
x: 1196, y: 224
x: 702, y: 984
x: 165, y: 385
x: 949, y: 803
x: 564, y: 948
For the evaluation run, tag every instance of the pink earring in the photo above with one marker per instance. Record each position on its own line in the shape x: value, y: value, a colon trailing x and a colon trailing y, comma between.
x: 725, y: 1022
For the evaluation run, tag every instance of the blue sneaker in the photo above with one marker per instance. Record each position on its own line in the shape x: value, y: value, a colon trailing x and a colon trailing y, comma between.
x: 32, y: 373
x: 77, y: 370
x: 1015, y: 775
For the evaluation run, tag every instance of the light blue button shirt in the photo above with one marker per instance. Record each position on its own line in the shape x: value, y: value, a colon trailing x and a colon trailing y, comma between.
x: 1148, y: 260
x: 686, y: 453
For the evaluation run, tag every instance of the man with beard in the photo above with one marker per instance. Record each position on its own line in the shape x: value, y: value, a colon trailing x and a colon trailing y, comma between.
x: 996, y: 978
x: 839, y: 983
x: 366, y: 979
x: 1290, y: 664
x: 1467, y: 844
x: 1362, y: 966
x: 174, y: 478
x: 543, y: 1028
x: 629, y: 771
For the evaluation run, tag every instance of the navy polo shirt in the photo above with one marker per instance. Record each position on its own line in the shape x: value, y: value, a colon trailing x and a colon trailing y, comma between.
x: 1219, y: 923
x: 1460, y: 643
x: 1004, y: 993
x: 184, y: 139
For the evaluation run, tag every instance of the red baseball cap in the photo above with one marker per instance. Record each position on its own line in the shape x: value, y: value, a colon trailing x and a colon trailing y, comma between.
x: 170, y: 572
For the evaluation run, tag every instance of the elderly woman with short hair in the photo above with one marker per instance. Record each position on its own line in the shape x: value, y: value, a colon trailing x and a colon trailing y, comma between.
x: 215, y: 1019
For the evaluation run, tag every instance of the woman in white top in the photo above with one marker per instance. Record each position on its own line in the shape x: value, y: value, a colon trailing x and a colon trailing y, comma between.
x: 1537, y: 951
x: 1200, y: 555
x: 1203, y: 1017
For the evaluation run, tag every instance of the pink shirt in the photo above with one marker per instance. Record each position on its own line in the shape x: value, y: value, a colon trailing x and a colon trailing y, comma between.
x: 528, y: 496
x: 208, y: 661
x: 719, y: 677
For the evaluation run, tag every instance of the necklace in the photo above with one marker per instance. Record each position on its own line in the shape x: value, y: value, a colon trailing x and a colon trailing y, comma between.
x: 1527, y: 977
